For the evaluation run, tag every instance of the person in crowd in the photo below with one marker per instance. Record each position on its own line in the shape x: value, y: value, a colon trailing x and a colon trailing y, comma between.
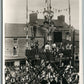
x: 44, y: 81
x: 7, y: 78
x: 67, y: 46
x: 61, y: 46
x: 47, y: 51
x: 53, y: 81
x: 57, y: 51
x: 47, y: 47
x: 32, y: 46
x: 58, y: 80
x: 54, y: 49
x: 68, y: 49
x: 64, y: 81
x: 36, y: 46
x: 13, y: 80
x: 53, y: 46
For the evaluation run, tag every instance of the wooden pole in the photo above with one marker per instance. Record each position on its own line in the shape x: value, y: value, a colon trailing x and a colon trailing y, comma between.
x: 27, y: 13
x: 27, y: 22
x: 69, y: 12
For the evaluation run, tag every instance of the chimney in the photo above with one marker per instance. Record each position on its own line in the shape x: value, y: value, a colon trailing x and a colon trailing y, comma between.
x: 61, y: 18
x: 33, y: 17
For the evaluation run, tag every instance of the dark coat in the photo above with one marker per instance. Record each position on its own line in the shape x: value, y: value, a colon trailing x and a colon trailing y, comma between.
x: 53, y: 82
x: 64, y: 81
x: 44, y: 82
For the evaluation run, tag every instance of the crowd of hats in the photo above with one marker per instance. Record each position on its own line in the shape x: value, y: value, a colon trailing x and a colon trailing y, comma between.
x: 28, y: 74
x: 46, y: 70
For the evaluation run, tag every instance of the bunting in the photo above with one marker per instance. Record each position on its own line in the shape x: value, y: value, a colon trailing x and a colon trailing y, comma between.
x: 53, y: 9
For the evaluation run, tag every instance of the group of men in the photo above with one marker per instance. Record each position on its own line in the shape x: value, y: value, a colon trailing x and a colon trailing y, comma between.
x: 58, y: 50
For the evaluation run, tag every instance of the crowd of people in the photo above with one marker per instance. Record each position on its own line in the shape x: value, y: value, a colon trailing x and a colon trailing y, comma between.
x: 46, y: 73
x: 58, y: 48
x: 54, y: 49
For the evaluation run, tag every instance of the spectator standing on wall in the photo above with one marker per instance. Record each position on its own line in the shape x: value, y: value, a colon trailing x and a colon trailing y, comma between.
x: 36, y: 46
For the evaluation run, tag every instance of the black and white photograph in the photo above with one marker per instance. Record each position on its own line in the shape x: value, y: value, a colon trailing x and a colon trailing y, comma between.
x: 41, y: 42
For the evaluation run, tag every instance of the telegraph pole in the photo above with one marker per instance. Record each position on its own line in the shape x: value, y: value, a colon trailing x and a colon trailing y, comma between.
x: 27, y: 13
x: 27, y: 23
x: 69, y: 13
x: 73, y: 32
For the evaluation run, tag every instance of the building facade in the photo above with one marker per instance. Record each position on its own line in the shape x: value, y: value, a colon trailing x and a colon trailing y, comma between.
x: 15, y: 38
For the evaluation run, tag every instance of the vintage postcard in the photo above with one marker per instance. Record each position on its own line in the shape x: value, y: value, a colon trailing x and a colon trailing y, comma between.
x: 42, y: 42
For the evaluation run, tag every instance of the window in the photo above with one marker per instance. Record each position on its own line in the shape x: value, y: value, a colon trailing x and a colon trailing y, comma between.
x: 15, y: 50
x: 57, y: 37
x: 9, y: 64
x: 15, y: 40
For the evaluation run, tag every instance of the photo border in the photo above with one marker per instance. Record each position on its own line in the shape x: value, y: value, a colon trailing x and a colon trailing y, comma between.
x: 1, y: 76
x: 1, y: 40
x: 83, y: 35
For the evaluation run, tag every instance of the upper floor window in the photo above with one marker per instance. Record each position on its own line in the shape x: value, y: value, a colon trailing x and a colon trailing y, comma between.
x: 15, y: 48
x: 15, y: 40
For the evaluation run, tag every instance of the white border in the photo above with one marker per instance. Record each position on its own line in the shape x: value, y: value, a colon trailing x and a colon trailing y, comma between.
x: 3, y: 41
x: 80, y: 43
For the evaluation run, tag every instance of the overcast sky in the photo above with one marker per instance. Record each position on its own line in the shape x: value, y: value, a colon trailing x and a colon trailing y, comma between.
x: 15, y: 10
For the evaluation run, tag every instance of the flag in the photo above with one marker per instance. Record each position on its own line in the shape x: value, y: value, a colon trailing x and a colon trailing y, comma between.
x: 58, y: 10
x: 45, y: 1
